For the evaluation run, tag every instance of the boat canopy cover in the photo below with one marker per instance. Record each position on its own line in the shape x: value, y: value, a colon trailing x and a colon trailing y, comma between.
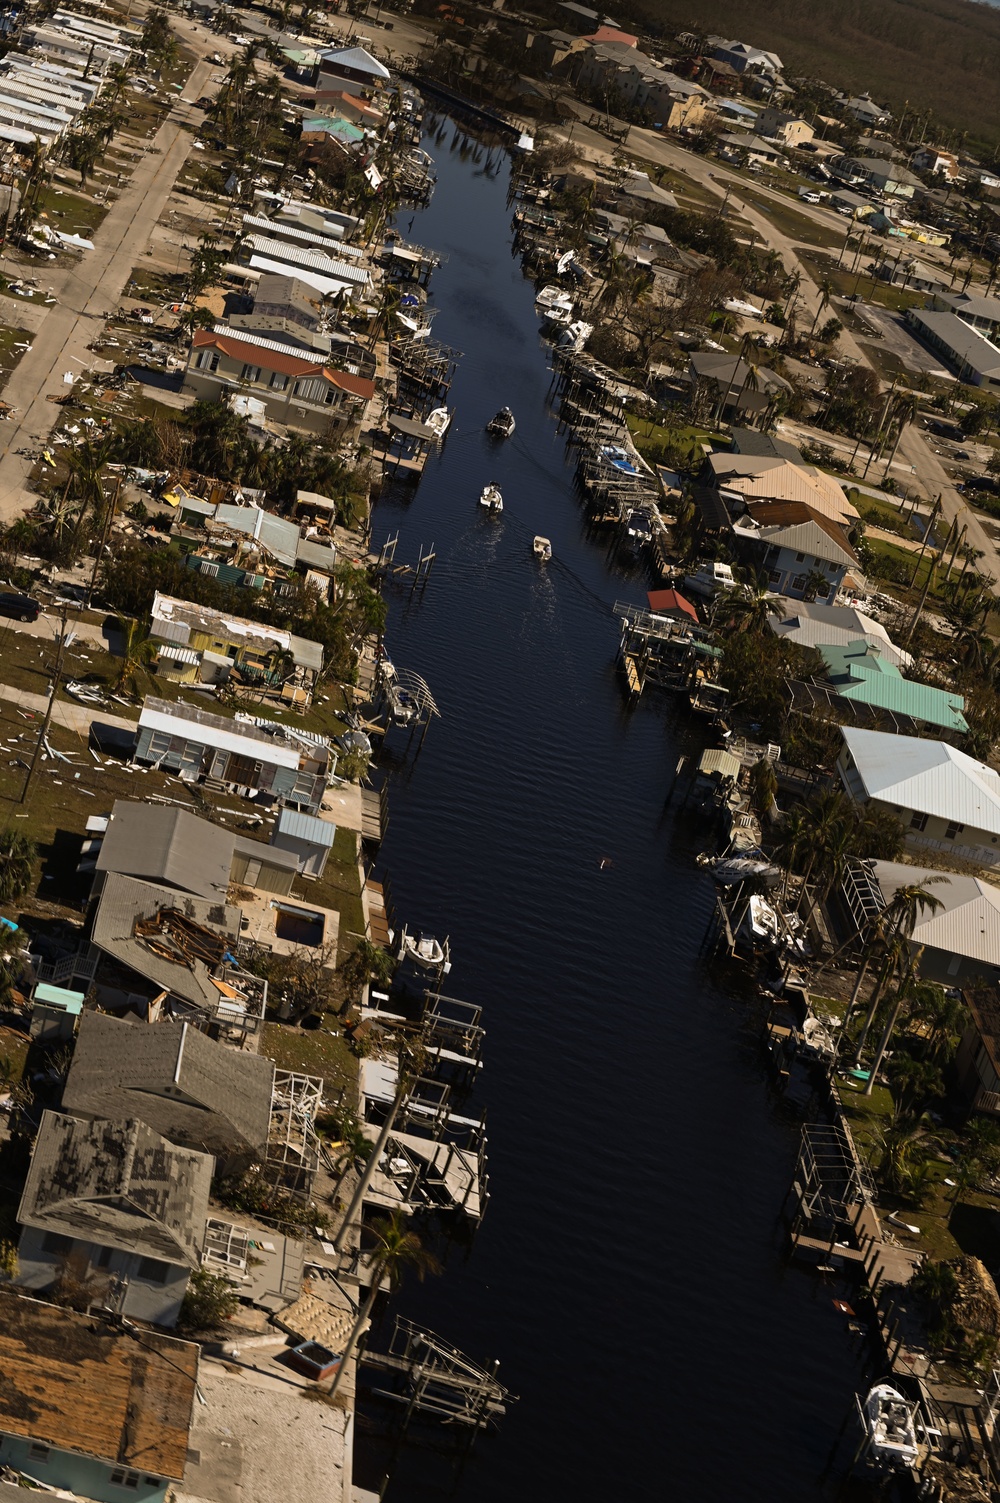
x: 411, y: 427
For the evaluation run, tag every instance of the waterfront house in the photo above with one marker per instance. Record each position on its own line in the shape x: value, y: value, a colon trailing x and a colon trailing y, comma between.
x: 812, y: 625
x: 248, y: 546
x: 196, y: 644
x: 743, y: 477
x: 349, y: 70
x: 261, y: 760
x: 303, y: 391
x: 861, y: 686
x: 746, y: 59
x: 89, y: 1410
x: 113, y: 1200
x: 958, y: 943
x: 977, y: 1063
x: 185, y: 1086
x: 944, y: 799
x: 779, y: 125
x: 793, y: 545
x: 307, y: 839
x: 728, y: 382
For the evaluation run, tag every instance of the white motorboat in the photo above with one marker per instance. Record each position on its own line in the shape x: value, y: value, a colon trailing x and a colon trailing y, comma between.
x: 542, y: 549
x: 553, y: 297
x: 425, y: 952
x: 559, y: 317
x: 574, y: 336
x: 891, y: 1427
x: 501, y: 426
x: 439, y: 421
x: 491, y: 498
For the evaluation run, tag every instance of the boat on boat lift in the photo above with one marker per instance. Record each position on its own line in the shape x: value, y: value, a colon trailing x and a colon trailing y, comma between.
x: 501, y: 426
x: 542, y: 549
x: 890, y: 1424
x: 491, y: 498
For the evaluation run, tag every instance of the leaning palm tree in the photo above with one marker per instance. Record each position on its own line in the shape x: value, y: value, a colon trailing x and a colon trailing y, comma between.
x: 825, y: 293
x: 17, y: 862
x: 793, y: 835
x: 137, y: 656
x: 749, y: 605
x: 900, y: 919
x: 909, y: 991
x: 396, y: 1249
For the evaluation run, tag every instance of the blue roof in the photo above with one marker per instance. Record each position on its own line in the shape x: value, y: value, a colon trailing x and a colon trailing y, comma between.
x: 306, y: 827
x: 58, y: 996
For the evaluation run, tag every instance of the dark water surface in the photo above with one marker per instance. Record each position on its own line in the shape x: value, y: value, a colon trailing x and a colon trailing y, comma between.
x: 629, y: 1273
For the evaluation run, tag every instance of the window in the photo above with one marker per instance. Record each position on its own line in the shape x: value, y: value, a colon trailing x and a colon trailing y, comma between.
x: 121, y: 1478
x: 774, y: 576
x: 918, y: 822
x: 38, y: 1452
x: 53, y: 1243
x: 953, y: 829
x: 278, y: 381
x: 250, y: 373
x: 800, y: 558
x: 103, y: 1259
x: 208, y: 360
x: 153, y: 1271
x: 799, y: 582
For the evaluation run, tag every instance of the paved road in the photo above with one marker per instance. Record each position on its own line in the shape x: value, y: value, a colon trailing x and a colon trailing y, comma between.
x: 87, y: 292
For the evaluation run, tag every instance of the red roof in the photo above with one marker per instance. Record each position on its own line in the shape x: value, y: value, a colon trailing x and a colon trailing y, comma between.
x: 611, y: 34
x: 286, y: 365
x: 669, y: 603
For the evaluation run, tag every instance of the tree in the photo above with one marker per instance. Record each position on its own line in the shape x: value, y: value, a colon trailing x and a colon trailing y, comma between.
x: 138, y: 655
x: 17, y: 863
x: 396, y: 1249
x: 900, y: 919
x: 763, y: 783
x: 367, y: 962
x: 825, y: 290
x: 209, y: 1301
x: 749, y: 606
x: 207, y: 261
x: 816, y: 585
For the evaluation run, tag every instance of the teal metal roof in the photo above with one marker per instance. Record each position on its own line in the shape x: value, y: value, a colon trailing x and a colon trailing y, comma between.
x: 58, y: 996
x: 858, y: 672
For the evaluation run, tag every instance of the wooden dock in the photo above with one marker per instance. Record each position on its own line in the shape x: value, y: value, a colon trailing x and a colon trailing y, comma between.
x: 378, y: 918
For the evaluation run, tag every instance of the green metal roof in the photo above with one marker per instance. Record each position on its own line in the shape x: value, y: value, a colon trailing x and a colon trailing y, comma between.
x: 58, y: 996
x: 857, y: 671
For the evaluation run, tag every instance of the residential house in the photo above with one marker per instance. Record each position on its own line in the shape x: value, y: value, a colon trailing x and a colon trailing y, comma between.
x: 265, y: 762
x: 743, y: 477
x: 551, y: 48
x: 737, y: 146
x: 973, y: 357
x: 746, y: 59
x: 875, y: 173
x: 945, y: 799
x: 862, y: 686
x: 731, y: 385
x: 298, y: 390
x: 793, y: 545
x: 633, y: 193
x: 751, y: 441
x: 910, y: 274
x: 247, y: 546
x: 779, y: 125
x: 349, y: 70
x: 198, y: 645
x: 957, y: 938
x: 113, y: 1200
x: 186, y: 1087
x: 866, y: 112
x: 811, y: 625
x: 977, y: 1062
x: 982, y: 313
x: 89, y: 1410
x: 733, y: 115
x: 930, y: 159
x: 284, y: 309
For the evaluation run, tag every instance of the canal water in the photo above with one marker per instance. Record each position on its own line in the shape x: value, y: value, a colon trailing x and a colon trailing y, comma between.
x: 629, y: 1274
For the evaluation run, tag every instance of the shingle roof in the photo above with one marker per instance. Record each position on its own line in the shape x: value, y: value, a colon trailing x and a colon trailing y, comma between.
x: 968, y: 920
x: 124, y: 900
x: 814, y: 625
x: 162, y: 844
x: 74, y: 1383
x: 929, y: 777
x: 183, y: 1084
x: 118, y: 1184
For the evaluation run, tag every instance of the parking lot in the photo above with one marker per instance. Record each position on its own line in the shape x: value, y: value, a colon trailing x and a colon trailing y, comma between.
x: 896, y: 337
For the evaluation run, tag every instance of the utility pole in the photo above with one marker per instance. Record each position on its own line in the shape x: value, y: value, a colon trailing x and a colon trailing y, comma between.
x: 43, y: 730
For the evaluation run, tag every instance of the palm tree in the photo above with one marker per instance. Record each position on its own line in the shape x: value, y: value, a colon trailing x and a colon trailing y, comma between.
x: 137, y: 657
x: 825, y: 817
x: 908, y: 990
x: 17, y: 862
x: 749, y: 605
x: 792, y: 837
x: 900, y: 919
x: 397, y: 1248
x: 825, y: 294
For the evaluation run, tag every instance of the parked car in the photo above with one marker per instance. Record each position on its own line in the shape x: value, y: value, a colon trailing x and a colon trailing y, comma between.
x: 21, y: 607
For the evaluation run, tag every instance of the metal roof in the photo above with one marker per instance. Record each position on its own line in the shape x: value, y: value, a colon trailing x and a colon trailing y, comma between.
x: 162, y: 844
x: 928, y: 777
x: 308, y: 827
x: 966, y: 346
x: 58, y: 996
x: 859, y: 673
x: 186, y: 1086
x: 287, y: 232
x: 276, y: 534
x: 221, y: 626
x: 356, y: 59
x: 281, y: 251
x: 968, y: 921
x: 118, y: 1184
x: 813, y: 625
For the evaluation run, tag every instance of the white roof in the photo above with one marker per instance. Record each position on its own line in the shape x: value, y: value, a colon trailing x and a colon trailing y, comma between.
x: 282, y: 250
x: 178, y: 723
x: 355, y: 58
x: 814, y: 625
x: 929, y: 777
x: 968, y: 921
x: 325, y: 285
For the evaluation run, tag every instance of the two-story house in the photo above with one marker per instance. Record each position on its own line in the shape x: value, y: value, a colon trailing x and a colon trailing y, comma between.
x: 875, y: 173
x: 945, y: 799
x: 779, y: 125
x: 297, y: 388
x: 113, y: 1202
x: 349, y: 70
x: 91, y: 1411
x: 794, y: 545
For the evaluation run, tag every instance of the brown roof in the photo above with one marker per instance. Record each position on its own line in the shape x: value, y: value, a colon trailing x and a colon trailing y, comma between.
x: 70, y: 1382
x: 794, y: 514
x: 277, y: 360
x: 983, y: 1003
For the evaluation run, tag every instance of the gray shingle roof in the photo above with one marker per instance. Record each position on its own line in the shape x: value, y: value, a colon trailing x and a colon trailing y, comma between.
x: 162, y: 844
x: 118, y: 1184
x: 184, y: 1085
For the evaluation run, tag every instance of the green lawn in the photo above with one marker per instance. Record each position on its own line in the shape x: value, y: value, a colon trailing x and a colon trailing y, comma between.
x: 787, y: 219
x: 312, y: 1051
x: 650, y: 437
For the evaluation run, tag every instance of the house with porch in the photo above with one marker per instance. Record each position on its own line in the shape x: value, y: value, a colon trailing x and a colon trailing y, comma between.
x: 88, y: 1410
x: 199, y: 645
x: 795, y: 547
x: 110, y: 1201
x: 349, y: 70
x: 957, y: 939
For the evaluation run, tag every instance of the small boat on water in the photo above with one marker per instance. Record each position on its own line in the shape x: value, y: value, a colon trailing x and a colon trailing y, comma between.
x: 439, y: 421
x: 891, y: 1428
x: 542, y: 549
x: 491, y: 498
x: 501, y: 426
